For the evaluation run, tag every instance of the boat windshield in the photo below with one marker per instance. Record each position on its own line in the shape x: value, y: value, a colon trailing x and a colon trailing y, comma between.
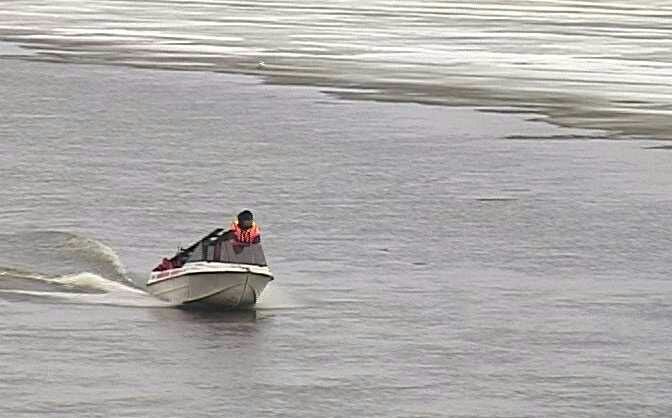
x: 227, y: 251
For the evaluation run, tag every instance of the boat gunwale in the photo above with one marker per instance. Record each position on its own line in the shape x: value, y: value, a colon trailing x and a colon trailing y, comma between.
x: 218, y: 268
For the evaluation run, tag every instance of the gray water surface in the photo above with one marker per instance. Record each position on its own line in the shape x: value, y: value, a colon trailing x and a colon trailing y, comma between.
x: 593, y: 64
x: 426, y: 265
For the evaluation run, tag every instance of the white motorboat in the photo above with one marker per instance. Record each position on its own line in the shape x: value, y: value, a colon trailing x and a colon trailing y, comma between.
x: 215, y: 271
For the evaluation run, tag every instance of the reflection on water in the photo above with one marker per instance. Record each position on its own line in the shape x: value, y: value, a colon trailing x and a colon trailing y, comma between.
x: 212, y: 327
x: 208, y: 314
x: 602, y: 65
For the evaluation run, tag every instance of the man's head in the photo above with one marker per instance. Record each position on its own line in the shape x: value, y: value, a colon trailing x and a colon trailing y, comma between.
x: 245, y: 219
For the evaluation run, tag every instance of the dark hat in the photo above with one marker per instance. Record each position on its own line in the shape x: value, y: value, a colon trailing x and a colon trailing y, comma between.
x: 245, y: 215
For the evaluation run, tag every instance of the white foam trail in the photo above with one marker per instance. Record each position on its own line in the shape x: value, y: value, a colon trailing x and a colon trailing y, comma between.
x: 110, y: 299
x: 21, y: 274
x: 274, y: 297
x: 106, y: 253
x: 94, y: 282
x: 115, y: 293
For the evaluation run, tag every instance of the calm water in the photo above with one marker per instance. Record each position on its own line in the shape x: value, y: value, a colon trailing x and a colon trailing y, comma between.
x: 596, y: 64
x: 426, y: 265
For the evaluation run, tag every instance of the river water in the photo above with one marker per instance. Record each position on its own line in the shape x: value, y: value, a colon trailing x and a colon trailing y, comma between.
x: 430, y: 261
x: 594, y: 64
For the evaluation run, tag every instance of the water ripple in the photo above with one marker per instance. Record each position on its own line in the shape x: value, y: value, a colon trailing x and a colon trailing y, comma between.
x: 579, y: 63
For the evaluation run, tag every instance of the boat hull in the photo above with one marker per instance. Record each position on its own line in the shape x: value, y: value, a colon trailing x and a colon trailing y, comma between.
x: 217, y: 284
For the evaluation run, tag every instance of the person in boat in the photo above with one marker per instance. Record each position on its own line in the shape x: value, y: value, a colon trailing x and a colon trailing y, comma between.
x: 244, y: 231
x: 166, y: 264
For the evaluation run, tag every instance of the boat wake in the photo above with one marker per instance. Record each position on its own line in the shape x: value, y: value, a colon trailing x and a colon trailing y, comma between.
x: 64, y: 267
x: 81, y: 288
x: 58, y: 253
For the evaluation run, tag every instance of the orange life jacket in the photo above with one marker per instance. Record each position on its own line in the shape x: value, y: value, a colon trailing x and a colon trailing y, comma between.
x: 246, y: 236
